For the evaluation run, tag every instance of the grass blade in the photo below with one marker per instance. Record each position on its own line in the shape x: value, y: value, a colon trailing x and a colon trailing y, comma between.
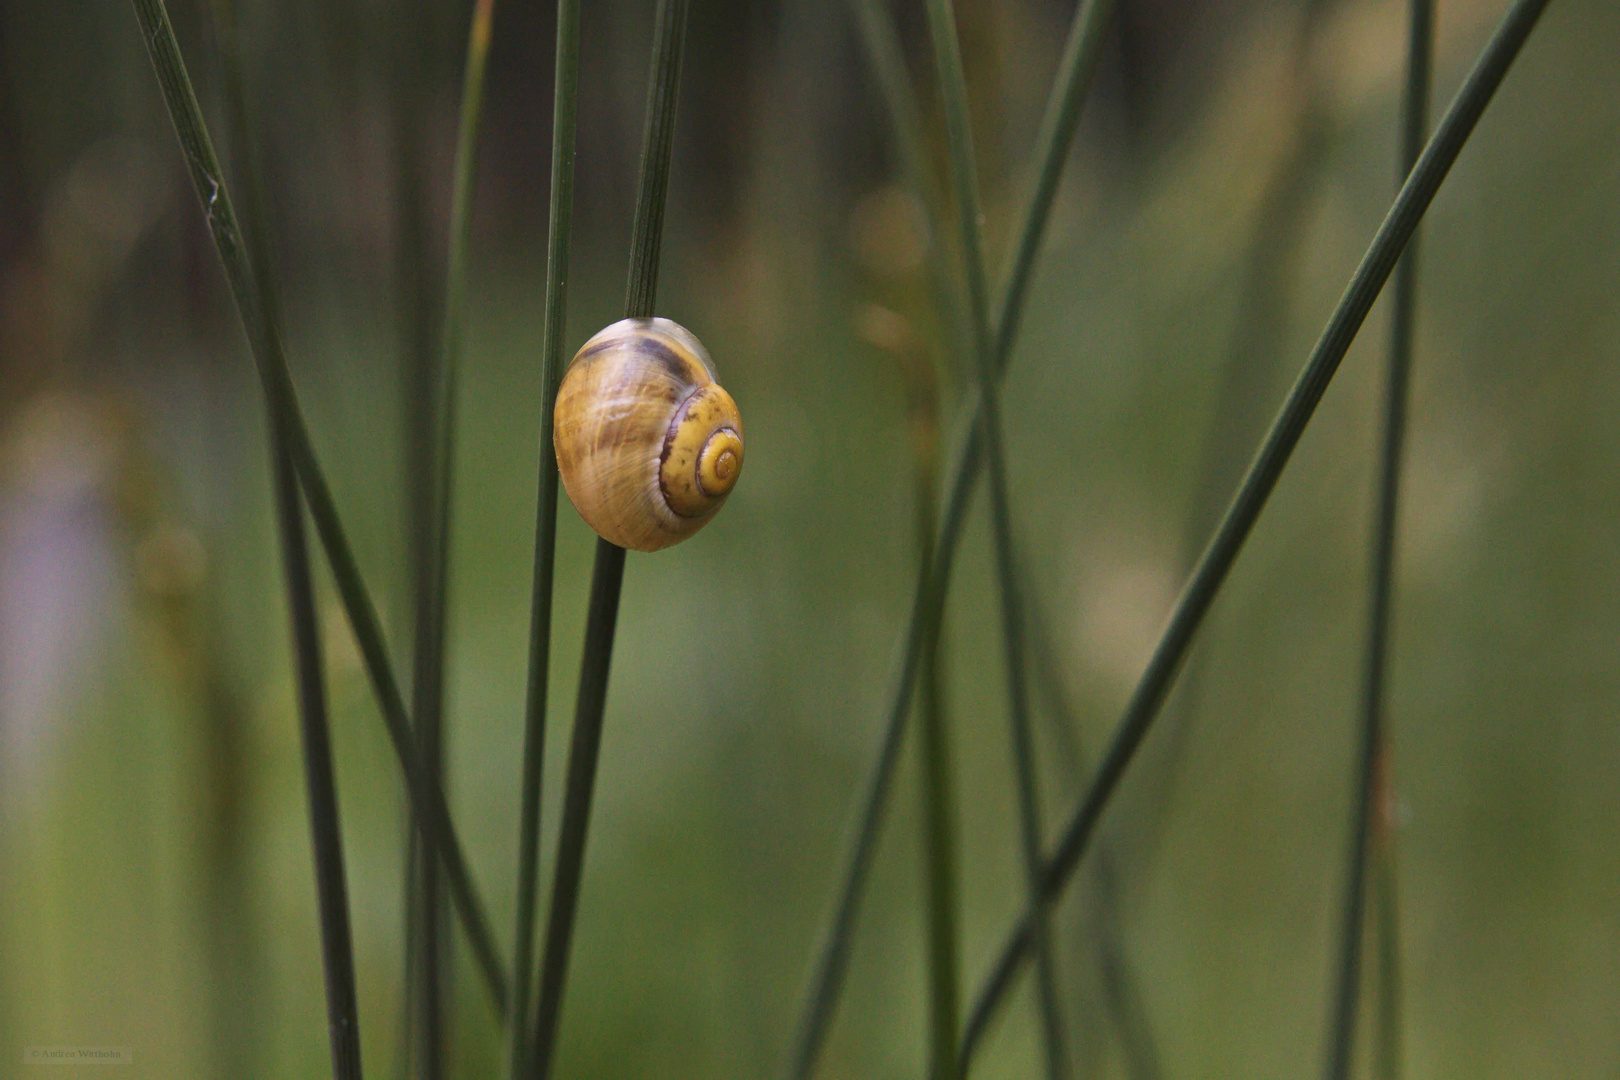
x: 1102, y: 927
x: 259, y: 305
x: 433, y: 562
x: 1082, y: 51
x: 881, y: 43
x: 607, y: 577
x: 565, y: 112
x: 1373, y: 768
x: 882, y: 46
x: 940, y: 847
x: 1059, y: 124
x: 426, y: 797
x: 1387, y: 1039
x: 969, y: 214
x: 939, y: 831
x: 419, y: 298
x: 320, y: 782
x: 1398, y: 225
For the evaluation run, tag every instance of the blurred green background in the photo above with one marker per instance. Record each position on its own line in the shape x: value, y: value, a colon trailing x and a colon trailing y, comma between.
x: 156, y: 887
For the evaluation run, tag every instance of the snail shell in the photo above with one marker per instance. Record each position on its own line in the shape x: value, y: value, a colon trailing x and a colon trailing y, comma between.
x: 648, y: 444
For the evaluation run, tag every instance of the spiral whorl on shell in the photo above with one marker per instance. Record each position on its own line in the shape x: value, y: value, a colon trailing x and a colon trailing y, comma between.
x: 648, y: 444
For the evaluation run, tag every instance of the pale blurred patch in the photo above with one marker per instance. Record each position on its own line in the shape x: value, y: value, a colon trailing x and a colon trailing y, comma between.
x: 888, y: 232
x: 1447, y: 478
x: 1126, y: 583
x: 57, y: 567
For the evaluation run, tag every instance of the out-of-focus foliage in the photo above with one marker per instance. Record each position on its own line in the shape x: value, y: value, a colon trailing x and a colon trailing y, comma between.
x: 155, y: 880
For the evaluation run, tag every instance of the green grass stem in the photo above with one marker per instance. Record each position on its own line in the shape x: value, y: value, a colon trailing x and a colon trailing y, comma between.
x: 882, y: 46
x: 939, y: 831
x: 426, y: 796
x: 881, y: 43
x: 564, y: 121
x: 1102, y: 929
x: 418, y: 299
x: 1082, y: 51
x: 607, y: 576
x: 1398, y: 225
x: 433, y: 563
x: 1061, y: 121
x: 1373, y: 763
x: 1388, y: 1037
x: 940, y: 870
x: 320, y: 779
x: 969, y: 215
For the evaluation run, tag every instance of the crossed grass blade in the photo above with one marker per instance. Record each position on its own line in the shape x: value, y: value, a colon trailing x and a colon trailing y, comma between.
x: 1373, y: 769
x: 263, y: 326
x: 1061, y: 120
x: 969, y: 215
x: 1121, y: 994
x: 426, y: 797
x: 607, y: 575
x: 1368, y: 280
x: 320, y: 783
x: 564, y: 121
x: 941, y: 905
x: 420, y: 309
x: 939, y: 834
x: 427, y: 969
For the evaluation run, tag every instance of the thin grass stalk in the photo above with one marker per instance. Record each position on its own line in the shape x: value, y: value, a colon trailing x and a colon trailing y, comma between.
x: 940, y: 846
x: 940, y: 873
x: 1254, y: 353
x: 1121, y: 995
x: 416, y: 294
x: 203, y: 165
x: 431, y: 967
x: 1059, y: 124
x: 969, y: 214
x: 881, y: 43
x: 1373, y: 767
x: 1195, y: 600
x: 564, y: 121
x: 607, y: 576
x: 832, y: 955
x: 1082, y: 51
x: 940, y: 908
x: 264, y: 328
x: 1121, y: 988
x: 233, y: 933
x: 1387, y: 1040
x: 320, y: 782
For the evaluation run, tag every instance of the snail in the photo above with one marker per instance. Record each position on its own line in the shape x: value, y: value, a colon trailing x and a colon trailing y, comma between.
x: 648, y: 444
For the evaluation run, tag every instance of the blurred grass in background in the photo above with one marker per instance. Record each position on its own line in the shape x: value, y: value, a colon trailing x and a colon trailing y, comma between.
x: 155, y: 880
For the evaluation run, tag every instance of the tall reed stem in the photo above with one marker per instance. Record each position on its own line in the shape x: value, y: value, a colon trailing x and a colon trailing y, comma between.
x: 564, y: 121
x: 433, y: 580
x: 969, y: 214
x: 607, y: 577
x: 320, y: 781
x: 939, y: 832
x: 1374, y: 771
x: 258, y: 305
x: 1060, y: 122
x: 1403, y: 217
x: 427, y: 798
x: 419, y: 301
x: 1102, y: 930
